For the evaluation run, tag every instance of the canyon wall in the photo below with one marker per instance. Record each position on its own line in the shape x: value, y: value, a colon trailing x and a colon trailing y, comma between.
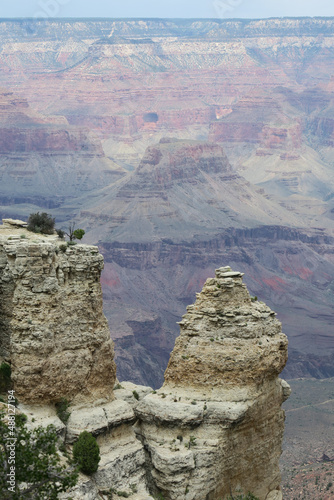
x: 83, y: 108
x: 216, y: 425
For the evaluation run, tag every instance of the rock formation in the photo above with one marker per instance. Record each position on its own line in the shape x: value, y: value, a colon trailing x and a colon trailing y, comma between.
x: 216, y: 425
x: 53, y: 329
x: 169, y: 224
x: 82, y: 101
x: 43, y: 160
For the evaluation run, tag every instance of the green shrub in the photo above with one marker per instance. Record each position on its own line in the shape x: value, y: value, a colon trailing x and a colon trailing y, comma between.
x: 79, y: 234
x: 63, y: 247
x: 41, y: 223
x: 5, y: 377
x: 40, y: 472
x: 74, y: 234
x: 61, y: 408
x: 60, y: 233
x: 86, y: 453
x: 135, y: 395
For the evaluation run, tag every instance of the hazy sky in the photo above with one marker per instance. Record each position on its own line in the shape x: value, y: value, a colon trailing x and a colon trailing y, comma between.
x: 165, y: 8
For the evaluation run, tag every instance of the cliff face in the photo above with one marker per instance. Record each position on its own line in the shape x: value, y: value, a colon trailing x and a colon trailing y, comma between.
x: 215, y: 426
x: 92, y: 101
x: 43, y: 160
x: 220, y: 400
x: 53, y: 329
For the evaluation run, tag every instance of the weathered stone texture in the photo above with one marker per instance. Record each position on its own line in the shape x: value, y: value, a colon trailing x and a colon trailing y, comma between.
x: 216, y: 425
x: 52, y: 326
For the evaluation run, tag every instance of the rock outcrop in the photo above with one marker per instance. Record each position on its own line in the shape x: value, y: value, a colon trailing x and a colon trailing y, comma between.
x: 45, y: 151
x: 52, y: 326
x: 216, y: 426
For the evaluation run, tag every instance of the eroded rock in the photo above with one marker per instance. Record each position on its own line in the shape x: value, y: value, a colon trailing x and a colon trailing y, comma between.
x: 52, y: 326
x: 216, y: 425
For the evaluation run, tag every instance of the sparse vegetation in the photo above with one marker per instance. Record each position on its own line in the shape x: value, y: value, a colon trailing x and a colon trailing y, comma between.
x: 159, y: 496
x: 60, y: 233
x: 74, y: 234
x: 61, y: 408
x: 39, y: 472
x: 191, y: 442
x: 41, y: 223
x: 135, y: 395
x: 118, y: 386
x: 86, y: 453
x: 79, y: 234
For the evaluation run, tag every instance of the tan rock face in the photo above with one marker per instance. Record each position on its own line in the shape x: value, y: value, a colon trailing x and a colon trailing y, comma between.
x: 226, y: 339
x: 216, y: 425
x: 53, y: 329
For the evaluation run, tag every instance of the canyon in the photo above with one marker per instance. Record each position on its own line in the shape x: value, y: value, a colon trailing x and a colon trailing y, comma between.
x: 180, y: 146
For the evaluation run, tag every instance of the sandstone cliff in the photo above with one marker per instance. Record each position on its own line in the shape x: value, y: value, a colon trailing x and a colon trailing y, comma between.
x: 216, y: 425
x: 53, y: 329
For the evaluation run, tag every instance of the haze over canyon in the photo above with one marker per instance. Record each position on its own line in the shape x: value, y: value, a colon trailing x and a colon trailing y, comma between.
x: 180, y: 146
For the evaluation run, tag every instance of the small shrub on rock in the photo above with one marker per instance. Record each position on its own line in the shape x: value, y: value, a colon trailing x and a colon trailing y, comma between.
x: 61, y: 408
x: 135, y: 395
x: 41, y: 223
x: 79, y: 234
x: 60, y: 233
x: 86, y: 453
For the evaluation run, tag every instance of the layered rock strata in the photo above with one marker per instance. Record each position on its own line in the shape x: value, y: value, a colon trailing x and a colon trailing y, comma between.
x: 216, y: 425
x: 52, y: 328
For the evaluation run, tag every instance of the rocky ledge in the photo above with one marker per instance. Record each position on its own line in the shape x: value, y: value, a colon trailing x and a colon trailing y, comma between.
x: 216, y: 425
